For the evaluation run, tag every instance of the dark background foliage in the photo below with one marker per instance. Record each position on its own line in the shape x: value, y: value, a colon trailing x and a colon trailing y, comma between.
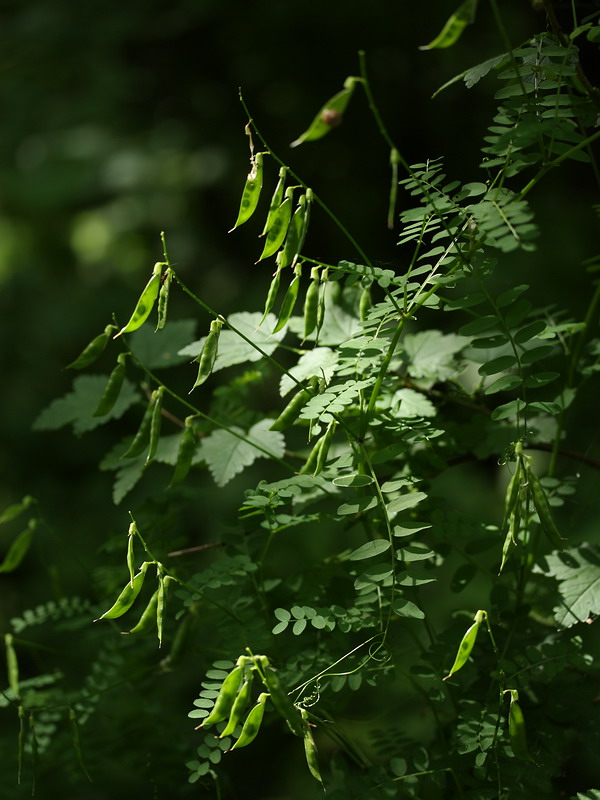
x: 120, y: 120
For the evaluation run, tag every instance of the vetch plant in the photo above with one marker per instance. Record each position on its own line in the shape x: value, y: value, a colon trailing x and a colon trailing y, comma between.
x: 348, y: 566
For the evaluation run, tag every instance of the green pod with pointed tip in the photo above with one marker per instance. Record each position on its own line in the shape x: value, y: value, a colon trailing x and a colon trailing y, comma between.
x: 145, y: 304
x: 282, y: 702
x: 517, y: 734
x: 251, y: 192
x: 540, y: 501
x: 278, y: 227
x: 208, y: 355
x: 276, y: 200
x: 467, y: 644
x: 240, y: 704
x: 163, y: 298
x: 252, y: 723
x: 148, y: 620
x: 226, y: 697
x: 185, y: 452
x: 112, y: 389
x: 127, y: 596
x: 93, y: 350
x: 288, y: 302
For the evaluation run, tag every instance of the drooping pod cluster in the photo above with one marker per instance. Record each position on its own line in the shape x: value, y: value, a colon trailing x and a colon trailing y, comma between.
x: 233, y: 705
x: 523, y: 491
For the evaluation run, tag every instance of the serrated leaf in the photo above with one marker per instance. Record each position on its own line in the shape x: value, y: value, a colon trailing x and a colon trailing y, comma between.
x: 227, y: 455
x: 161, y: 349
x: 77, y: 407
x: 319, y: 362
x: 412, y: 404
x: 235, y: 350
x: 577, y: 569
x: 431, y: 354
x: 370, y: 549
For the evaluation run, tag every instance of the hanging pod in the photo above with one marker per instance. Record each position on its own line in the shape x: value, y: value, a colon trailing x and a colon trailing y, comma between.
x: 251, y: 192
x: 145, y: 303
x: 112, y: 389
x: 208, y: 355
x: 127, y: 596
x: 281, y: 700
x: 289, y: 300
x: 185, y: 452
x: 93, y: 350
x: 278, y: 226
x: 311, y: 303
x: 467, y: 644
x: 310, y: 748
x: 540, y: 501
x: 454, y: 26
x: 271, y: 295
x: 295, y: 236
x: 163, y: 298
x: 276, y: 200
x: 149, y: 428
x: 227, y: 694
x: 517, y: 734
x: 329, y: 115
x: 292, y: 410
x: 252, y: 723
x: 240, y: 704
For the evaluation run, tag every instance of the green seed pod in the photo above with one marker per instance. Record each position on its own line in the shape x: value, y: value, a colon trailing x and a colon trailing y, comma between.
x: 128, y: 595
x: 466, y: 645
x: 163, y: 298
x: 148, y: 620
x: 281, y: 700
x: 326, y: 444
x: 278, y: 228
x: 516, y: 728
x: 276, y: 201
x: 146, y: 302
x: 142, y: 438
x: 251, y: 193
x: 208, y: 356
x: 512, y: 493
x: 271, y: 295
x: 310, y: 748
x: 252, y: 724
x: 240, y: 704
x: 311, y: 303
x: 113, y: 388
x: 311, y: 462
x: 18, y: 548
x: 289, y: 301
x: 12, y: 665
x: 182, y: 641
x: 540, y: 501
x: 155, y: 424
x: 364, y: 303
x: 329, y: 116
x: 294, y: 239
x: 226, y: 697
x: 291, y: 412
x: 185, y: 452
x: 131, y: 551
x: 93, y: 350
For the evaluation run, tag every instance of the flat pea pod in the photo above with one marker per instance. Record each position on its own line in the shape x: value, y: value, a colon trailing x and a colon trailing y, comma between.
x: 540, y: 501
x: 279, y: 227
x: 364, y: 303
x: 281, y: 700
x: 128, y: 595
x: 329, y: 115
x: 226, y: 697
x: 271, y: 295
x: 208, y: 356
x: 251, y: 192
x: 467, y: 643
x: 311, y: 303
x: 326, y: 444
x: 292, y: 410
x: 147, y: 622
x: 310, y: 748
x: 155, y: 424
x: 163, y: 298
x: 131, y: 534
x: 12, y: 665
x: 517, y: 734
x: 163, y: 582
x: 276, y: 200
x: 322, y: 295
x: 145, y: 304
x: 112, y: 389
x: 252, y: 723
x: 289, y: 301
x: 185, y: 452
x: 311, y: 462
x: 293, y: 241
x: 93, y: 350
x: 512, y: 493
x: 18, y: 548
x: 142, y: 437
x: 15, y: 510
x: 240, y: 704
